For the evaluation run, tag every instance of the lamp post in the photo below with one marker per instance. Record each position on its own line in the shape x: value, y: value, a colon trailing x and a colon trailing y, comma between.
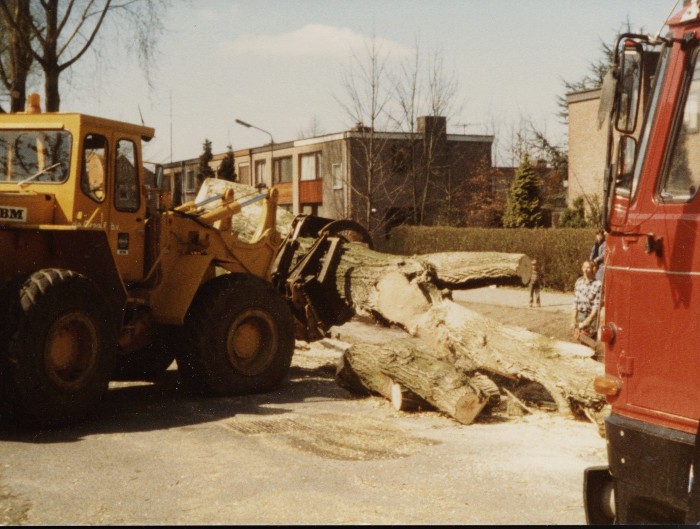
x: 272, y: 146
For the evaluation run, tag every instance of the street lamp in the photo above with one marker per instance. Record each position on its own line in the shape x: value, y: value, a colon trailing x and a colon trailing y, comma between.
x: 272, y: 146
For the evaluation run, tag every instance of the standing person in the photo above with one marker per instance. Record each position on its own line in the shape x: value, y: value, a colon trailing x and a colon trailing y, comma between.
x: 598, y: 254
x: 586, y: 300
x: 535, y: 283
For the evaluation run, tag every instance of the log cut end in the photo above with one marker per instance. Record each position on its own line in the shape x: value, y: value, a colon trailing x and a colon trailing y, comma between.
x: 400, y: 301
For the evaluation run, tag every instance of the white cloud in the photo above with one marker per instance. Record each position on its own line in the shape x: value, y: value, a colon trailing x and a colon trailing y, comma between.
x: 309, y: 41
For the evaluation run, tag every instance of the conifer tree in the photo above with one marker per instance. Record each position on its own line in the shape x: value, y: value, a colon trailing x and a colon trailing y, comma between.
x: 204, y: 171
x: 524, y: 205
x: 227, y: 169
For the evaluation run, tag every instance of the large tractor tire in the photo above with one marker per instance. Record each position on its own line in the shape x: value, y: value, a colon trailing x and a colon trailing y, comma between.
x: 238, y: 337
x: 58, y: 360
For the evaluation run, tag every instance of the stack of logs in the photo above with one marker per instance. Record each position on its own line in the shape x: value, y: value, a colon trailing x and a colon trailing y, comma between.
x: 447, y: 356
x: 426, y: 350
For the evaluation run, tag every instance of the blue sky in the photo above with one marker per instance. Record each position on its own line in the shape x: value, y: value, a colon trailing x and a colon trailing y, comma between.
x: 280, y: 64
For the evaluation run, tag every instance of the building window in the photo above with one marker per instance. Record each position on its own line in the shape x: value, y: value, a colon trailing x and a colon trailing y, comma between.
x: 244, y: 173
x: 399, y: 159
x: 259, y: 172
x: 282, y: 170
x: 309, y: 166
x: 190, y: 181
x: 337, y: 175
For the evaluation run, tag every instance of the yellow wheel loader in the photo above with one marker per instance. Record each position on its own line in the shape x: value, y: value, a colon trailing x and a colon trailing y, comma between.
x: 99, y: 282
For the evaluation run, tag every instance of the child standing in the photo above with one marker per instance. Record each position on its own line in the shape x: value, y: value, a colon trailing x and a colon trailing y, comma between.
x: 535, y: 283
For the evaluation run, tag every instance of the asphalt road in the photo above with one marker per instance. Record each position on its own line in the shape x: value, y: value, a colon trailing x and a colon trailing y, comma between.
x: 309, y: 453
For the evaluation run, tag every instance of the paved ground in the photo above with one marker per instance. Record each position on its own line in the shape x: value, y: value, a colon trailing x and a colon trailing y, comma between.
x: 510, y: 305
x: 515, y: 297
x: 309, y: 453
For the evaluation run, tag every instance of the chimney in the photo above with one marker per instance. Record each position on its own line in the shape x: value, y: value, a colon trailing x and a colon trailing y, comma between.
x: 432, y: 125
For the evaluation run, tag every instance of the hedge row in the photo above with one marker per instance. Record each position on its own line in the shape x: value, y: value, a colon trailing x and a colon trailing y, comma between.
x: 559, y: 251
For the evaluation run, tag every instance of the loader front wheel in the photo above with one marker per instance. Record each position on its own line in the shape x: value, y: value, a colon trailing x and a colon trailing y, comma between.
x: 239, y: 337
x: 59, y: 359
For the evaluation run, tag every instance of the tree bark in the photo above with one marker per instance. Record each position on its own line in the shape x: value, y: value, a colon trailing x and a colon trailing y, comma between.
x: 405, y: 371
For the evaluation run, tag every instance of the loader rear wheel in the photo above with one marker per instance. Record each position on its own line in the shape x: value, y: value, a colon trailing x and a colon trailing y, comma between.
x: 239, y: 337
x: 61, y: 352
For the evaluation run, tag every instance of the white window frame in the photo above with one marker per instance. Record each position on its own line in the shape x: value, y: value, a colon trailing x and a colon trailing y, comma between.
x: 260, y: 171
x: 337, y: 175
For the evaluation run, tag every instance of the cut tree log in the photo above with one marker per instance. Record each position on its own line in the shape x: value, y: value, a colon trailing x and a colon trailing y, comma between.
x: 405, y: 371
x: 458, y: 270
x: 403, y: 291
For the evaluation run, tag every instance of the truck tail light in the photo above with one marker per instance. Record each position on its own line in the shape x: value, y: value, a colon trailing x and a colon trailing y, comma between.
x: 607, y: 385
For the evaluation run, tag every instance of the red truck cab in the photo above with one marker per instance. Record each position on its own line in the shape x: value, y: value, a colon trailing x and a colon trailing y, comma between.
x: 651, y: 327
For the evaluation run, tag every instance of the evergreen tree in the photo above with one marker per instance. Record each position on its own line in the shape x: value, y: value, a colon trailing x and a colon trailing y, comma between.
x: 227, y: 169
x: 575, y: 216
x: 204, y: 171
x: 524, y: 204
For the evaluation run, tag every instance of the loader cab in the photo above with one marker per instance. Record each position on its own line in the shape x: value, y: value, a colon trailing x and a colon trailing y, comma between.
x: 66, y: 169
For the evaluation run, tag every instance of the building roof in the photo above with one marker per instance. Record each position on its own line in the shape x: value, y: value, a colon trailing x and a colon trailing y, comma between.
x: 337, y: 136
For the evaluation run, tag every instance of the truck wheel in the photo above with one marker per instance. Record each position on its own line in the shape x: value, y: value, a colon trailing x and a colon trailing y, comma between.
x: 61, y: 352
x: 148, y: 363
x: 239, y: 337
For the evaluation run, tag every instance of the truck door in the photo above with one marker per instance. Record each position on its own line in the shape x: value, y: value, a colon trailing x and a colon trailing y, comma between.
x: 663, y: 368
x: 126, y: 230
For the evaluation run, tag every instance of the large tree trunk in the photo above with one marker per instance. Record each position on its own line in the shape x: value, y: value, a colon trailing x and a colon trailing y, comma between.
x: 402, y: 291
x: 405, y: 371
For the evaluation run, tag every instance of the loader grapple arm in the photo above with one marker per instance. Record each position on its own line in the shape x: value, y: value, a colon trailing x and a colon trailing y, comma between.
x: 307, y: 278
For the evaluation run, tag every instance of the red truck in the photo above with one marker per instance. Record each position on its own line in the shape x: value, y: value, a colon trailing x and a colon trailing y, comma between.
x: 651, y: 323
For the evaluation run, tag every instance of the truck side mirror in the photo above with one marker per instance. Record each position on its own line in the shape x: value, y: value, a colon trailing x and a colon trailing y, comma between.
x: 626, y: 155
x: 629, y: 88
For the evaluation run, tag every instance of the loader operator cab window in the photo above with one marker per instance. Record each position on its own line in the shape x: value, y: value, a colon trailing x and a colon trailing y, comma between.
x: 93, y: 175
x: 682, y: 174
x: 126, y: 195
x: 34, y: 156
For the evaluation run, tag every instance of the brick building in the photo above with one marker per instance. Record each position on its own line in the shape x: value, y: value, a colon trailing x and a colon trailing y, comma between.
x: 370, y: 176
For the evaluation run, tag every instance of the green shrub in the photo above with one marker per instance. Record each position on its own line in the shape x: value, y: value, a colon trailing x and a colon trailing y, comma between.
x: 560, y: 252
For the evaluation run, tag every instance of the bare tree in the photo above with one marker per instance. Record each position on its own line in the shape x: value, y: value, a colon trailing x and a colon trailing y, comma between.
x: 365, y: 103
x: 430, y: 90
x: 407, y: 94
x: 311, y: 129
x: 15, y: 56
x: 59, y: 34
x: 442, y: 96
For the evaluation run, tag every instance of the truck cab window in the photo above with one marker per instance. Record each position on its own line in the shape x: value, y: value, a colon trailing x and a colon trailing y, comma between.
x: 682, y: 176
x: 126, y: 196
x: 93, y: 174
